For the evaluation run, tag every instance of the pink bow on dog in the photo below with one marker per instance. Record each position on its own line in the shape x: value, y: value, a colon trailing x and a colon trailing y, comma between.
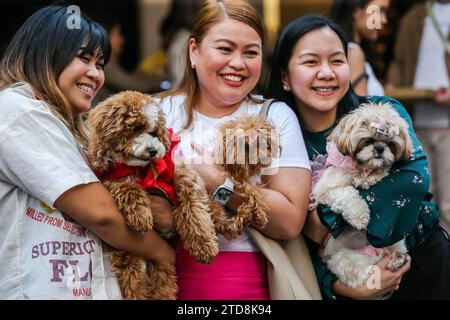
x: 337, y: 159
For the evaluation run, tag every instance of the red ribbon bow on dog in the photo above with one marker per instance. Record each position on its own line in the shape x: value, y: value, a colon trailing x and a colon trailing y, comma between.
x: 158, y: 174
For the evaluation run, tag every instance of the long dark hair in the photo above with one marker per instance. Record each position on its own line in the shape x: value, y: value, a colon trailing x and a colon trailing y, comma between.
x: 43, y: 47
x: 282, y: 55
x: 342, y: 13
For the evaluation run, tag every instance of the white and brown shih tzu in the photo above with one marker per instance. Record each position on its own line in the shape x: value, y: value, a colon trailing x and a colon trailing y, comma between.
x: 361, y: 150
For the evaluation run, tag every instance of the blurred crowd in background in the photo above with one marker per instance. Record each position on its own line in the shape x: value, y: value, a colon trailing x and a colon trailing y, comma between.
x: 149, y: 37
x: 149, y: 56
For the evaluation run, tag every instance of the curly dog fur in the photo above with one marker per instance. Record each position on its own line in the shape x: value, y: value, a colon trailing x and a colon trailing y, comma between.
x: 371, y: 138
x: 245, y: 147
x: 128, y: 128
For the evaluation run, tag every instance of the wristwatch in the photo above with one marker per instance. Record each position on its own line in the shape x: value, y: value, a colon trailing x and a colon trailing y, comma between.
x: 224, y: 192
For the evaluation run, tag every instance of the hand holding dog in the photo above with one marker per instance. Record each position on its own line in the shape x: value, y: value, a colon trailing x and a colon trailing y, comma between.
x: 206, y: 169
x: 162, y: 213
x: 389, y: 281
x: 213, y: 178
x: 314, y: 229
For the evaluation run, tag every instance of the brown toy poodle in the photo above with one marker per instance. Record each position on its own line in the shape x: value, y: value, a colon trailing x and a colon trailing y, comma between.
x: 131, y: 150
x: 246, y: 146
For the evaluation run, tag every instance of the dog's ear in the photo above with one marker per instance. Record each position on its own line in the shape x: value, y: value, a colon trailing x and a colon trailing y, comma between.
x: 109, y: 120
x: 106, y: 122
x: 406, y: 138
x: 342, y: 134
x: 161, y: 129
x: 229, y: 141
x: 97, y: 154
x: 399, y: 131
x: 269, y: 136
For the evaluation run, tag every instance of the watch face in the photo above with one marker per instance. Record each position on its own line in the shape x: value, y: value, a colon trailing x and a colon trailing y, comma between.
x: 223, y: 195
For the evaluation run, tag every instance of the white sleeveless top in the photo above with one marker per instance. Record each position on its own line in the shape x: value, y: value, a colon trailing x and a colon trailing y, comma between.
x: 374, y: 87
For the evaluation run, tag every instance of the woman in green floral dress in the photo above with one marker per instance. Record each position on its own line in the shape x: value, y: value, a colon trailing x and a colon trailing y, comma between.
x: 310, y: 72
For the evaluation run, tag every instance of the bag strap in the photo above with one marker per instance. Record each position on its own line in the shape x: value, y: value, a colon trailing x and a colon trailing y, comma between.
x: 430, y: 13
x: 265, y: 108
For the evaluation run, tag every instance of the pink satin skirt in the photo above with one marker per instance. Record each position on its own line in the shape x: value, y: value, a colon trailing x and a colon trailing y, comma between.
x: 232, y: 276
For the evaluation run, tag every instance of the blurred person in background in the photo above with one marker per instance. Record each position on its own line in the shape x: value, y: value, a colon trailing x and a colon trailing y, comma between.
x: 355, y: 18
x: 175, y: 30
x: 117, y: 78
x: 422, y: 60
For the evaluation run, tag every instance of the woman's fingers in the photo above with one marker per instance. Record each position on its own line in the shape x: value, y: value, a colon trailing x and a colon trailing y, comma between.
x: 383, y: 263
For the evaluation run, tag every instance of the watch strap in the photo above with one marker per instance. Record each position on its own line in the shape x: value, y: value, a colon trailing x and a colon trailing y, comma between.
x: 228, y: 183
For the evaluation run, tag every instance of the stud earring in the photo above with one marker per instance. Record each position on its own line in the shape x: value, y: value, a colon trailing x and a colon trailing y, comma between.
x: 285, y: 87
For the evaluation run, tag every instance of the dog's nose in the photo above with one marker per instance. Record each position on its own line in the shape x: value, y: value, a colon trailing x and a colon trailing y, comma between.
x: 152, y: 152
x: 379, y: 149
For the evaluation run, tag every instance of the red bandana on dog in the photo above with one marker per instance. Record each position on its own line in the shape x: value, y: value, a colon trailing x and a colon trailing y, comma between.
x: 158, y: 174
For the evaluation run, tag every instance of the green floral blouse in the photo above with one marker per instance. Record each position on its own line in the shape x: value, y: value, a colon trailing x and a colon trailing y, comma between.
x: 400, y: 204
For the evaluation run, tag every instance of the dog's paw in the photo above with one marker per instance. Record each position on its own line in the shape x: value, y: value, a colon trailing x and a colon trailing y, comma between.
x: 358, y: 215
x: 365, y: 185
x: 141, y: 219
x: 361, y: 182
x: 206, y: 257
x: 205, y: 252
x: 397, y: 260
x: 260, y: 219
x: 359, y: 221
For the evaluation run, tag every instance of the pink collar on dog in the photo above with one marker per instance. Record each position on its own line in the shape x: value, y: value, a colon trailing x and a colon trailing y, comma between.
x: 345, y: 163
x: 337, y: 159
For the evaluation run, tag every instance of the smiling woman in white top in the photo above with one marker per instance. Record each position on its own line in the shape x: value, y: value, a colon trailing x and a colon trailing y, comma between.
x: 225, y: 58
x: 53, y: 209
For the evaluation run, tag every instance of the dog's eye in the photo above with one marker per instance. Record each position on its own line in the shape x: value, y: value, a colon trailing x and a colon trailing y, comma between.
x: 392, y: 146
x: 138, y: 128
x: 369, y: 141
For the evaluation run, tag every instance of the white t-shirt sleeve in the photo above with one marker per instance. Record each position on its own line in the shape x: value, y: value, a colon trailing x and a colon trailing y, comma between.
x: 39, y: 155
x: 293, y: 153
x: 174, y: 110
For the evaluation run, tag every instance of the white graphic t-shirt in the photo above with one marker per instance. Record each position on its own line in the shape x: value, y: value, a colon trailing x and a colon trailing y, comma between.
x: 204, y: 132
x: 43, y: 253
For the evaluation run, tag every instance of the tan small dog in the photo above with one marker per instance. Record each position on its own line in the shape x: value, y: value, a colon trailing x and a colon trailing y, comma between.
x: 246, y: 146
x: 131, y: 149
x: 361, y: 150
